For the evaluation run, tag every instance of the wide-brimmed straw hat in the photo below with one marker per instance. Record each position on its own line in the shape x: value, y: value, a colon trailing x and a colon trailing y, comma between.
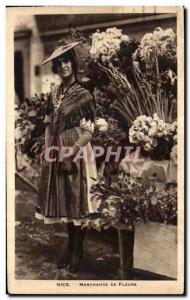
x: 60, y: 51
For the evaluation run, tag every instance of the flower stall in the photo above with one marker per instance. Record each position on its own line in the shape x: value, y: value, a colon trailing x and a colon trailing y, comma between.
x: 140, y: 78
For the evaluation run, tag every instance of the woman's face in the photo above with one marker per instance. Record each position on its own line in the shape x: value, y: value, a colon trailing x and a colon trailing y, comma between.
x: 64, y: 67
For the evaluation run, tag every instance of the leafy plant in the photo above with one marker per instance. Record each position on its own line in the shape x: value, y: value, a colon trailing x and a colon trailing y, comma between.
x: 30, y: 123
x: 129, y: 201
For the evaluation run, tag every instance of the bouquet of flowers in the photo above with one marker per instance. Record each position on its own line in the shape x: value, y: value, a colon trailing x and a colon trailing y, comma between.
x: 156, y: 61
x: 152, y: 133
x: 105, y: 45
x: 160, y: 44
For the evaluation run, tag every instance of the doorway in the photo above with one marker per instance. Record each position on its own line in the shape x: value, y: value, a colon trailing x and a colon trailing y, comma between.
x: 18, y: 75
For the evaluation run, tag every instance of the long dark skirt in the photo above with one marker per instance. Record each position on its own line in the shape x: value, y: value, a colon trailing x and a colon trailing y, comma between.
x: 61, y: 194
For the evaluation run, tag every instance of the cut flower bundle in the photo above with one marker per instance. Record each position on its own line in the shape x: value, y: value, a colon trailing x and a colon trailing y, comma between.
x: 153, y: 100
x: 149, y: 132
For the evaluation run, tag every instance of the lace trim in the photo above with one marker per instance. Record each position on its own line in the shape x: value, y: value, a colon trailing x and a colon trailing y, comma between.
x: 87, y: 125
x: 77, y: 222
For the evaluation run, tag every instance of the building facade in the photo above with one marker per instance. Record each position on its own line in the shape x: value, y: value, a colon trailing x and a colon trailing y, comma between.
x: 37, y: 35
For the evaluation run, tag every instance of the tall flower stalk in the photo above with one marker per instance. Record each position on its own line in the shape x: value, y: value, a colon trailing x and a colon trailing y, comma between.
x: 141, y: 97
x: 132, y: 102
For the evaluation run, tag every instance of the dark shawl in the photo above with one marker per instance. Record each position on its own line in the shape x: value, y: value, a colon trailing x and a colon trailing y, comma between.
x: 76, y: 104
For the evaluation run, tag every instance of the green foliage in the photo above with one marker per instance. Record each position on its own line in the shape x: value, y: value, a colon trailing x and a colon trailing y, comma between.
x: 30, y: 123
x: 129, y: 201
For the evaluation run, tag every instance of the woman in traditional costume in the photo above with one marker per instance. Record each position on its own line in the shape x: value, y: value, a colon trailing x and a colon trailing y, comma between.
x: 64, y: 186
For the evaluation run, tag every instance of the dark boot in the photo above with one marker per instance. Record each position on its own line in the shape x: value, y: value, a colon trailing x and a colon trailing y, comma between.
x: 64, y: 261
x: 78, y: 250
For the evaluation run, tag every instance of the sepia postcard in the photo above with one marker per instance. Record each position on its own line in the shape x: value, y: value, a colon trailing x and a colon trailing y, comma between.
x: 95, y: 150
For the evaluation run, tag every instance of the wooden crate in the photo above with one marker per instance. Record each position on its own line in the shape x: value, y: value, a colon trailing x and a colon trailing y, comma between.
x: 155, y: 248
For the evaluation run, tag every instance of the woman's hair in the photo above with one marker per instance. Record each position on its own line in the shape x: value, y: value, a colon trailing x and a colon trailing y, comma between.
x: 70, y: 55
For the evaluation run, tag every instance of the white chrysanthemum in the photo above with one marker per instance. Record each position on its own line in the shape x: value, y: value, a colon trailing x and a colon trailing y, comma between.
x: 93, y: 52
x: 152, y: 132
x: 153, y: 124
x: 140, y: 136
x: 165, y: 132
x: 124, y: 38
x: 161, y: 125
x: 114, y: 31
x: 147, y: 147
x: 145, y: 128
x: 136, y: 123
x: 147, y: 139
x: 104, y: 50
x: 146, y: 39
x: 158, y: 33
x: 133, y: 136
x: 169, y: 33
x: 101, y: 124
x: 149, y: 119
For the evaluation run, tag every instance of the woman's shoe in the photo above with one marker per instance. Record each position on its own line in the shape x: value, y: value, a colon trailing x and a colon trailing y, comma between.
x: 75, y: 263
x: 64, y: 261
